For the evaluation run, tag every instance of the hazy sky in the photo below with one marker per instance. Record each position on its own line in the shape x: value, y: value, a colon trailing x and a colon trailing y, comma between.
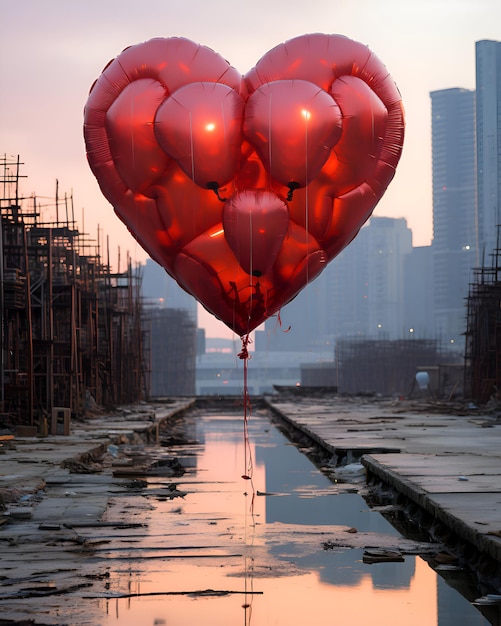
x: 51, y: 51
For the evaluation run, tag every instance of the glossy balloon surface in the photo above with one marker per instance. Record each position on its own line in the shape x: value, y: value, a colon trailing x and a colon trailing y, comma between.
x: 244, y: 187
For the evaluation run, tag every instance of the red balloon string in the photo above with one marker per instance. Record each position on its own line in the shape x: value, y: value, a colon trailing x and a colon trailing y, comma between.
x: 244, y: 355
x: 279, y: 324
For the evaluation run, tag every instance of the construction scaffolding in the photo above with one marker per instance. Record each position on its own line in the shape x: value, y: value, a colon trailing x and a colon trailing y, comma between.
x: 71, y: 329
x: 382, y: 366
x: 483, y: 333
x: 173, y: 351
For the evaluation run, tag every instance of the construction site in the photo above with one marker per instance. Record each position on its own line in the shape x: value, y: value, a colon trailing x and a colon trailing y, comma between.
x: 76, y: 336
x: 388, y: 367
x: 71, y: 329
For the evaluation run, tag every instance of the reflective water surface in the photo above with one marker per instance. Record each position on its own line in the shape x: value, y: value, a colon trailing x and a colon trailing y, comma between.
x: 285, y: 548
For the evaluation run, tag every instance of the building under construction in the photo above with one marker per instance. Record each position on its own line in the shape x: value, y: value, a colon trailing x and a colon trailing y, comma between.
x: 71, y: 330
x: 172, y: 353
x: 483, y: 333
x: 389, y: 367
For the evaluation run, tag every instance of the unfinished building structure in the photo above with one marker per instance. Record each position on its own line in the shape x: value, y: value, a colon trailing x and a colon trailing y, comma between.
x: 483, y: 333
x: 388, y: 367
x: 70, y: 328
x: 172, y: 352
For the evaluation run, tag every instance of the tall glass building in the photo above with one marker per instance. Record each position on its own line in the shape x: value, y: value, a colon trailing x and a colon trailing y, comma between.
x: 454, y: 224
x: 488, y: 121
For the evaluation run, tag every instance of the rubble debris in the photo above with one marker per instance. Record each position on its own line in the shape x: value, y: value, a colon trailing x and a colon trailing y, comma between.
x: 192, y: 594
x: 37, y: 592
x: 382, y: 556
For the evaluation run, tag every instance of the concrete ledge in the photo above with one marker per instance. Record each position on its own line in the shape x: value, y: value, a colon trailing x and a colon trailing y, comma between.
x: 455, y: 511
x: 342, y: 454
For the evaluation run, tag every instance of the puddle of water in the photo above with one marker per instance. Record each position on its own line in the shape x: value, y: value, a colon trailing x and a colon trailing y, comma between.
x: 254, y: 552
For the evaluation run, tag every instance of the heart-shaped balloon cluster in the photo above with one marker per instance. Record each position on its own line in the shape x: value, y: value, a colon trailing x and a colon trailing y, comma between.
x: 244, y: 187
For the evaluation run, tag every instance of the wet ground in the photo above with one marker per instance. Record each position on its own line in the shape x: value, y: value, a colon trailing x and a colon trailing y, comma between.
x: 185, y: 539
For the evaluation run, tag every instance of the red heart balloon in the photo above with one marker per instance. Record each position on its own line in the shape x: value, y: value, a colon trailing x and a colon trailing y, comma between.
x: 244, y: 187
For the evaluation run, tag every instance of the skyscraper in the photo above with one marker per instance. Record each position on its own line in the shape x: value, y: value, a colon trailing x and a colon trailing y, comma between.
x: 488, y: 121
x: 359, y: 294
x: 366, y: 282
x: 454, y: 229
